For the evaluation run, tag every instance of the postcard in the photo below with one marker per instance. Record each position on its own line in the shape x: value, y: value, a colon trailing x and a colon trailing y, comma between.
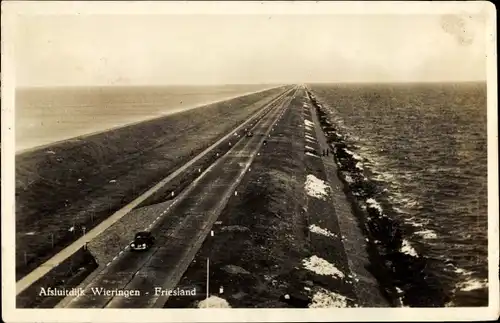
x: 249, y: 161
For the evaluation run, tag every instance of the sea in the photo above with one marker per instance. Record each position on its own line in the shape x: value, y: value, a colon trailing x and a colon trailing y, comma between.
x: 47, y: 115
x: 425, y: 146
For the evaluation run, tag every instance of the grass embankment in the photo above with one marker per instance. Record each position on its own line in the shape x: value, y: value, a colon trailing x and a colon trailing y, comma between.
x: 402, y: 271
x: 78, y: 183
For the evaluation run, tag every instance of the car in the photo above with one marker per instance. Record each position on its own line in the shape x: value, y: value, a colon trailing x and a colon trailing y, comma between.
x: 142, y: 241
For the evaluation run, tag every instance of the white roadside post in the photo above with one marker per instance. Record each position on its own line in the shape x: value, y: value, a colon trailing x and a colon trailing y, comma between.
x: 208, y: 271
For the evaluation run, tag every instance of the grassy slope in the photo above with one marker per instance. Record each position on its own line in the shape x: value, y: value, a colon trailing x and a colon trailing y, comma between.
x: 50, y: 198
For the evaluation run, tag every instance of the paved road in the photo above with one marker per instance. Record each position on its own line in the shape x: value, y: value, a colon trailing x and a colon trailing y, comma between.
x: 44, y: 268
x: 181, y: 232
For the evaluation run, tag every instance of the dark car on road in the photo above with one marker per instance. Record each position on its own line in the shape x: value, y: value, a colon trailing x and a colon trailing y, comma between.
x: 142, y: 241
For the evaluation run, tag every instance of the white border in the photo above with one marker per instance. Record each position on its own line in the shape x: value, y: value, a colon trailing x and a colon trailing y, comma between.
x: 249, y: 7
x: 12, y: 8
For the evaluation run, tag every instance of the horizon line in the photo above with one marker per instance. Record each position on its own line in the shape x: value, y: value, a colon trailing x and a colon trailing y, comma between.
x: 245, y: 84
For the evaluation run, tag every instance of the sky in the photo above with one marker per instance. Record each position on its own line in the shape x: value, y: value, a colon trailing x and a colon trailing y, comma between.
x: 91, y: 49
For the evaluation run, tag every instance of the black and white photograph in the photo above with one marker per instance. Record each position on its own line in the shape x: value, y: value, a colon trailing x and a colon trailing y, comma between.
x: 249, y: 161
